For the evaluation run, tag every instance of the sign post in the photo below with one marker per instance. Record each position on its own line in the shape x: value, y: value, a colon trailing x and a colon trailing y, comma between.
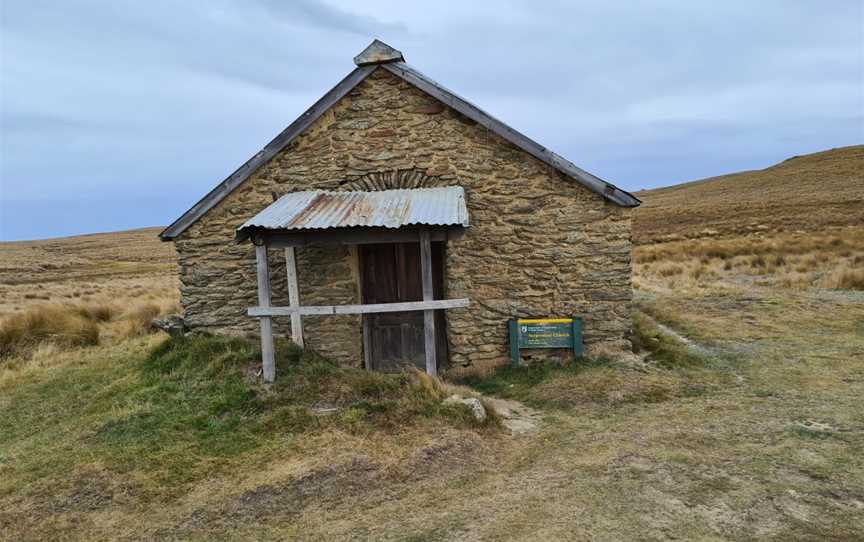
x: 545, y: 333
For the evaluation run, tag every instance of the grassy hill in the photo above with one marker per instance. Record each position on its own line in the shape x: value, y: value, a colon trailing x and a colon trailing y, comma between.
x: 808, y: 193
x: 113, y: 266
x: 739, y: 418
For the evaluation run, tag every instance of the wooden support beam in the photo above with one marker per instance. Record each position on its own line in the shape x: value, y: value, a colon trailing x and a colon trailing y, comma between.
x: 319, y: 310
x: 268, y: 356
x: 294, y: 296
x: 354, y: 236
x: 367, y: 341
x: 428, y: 314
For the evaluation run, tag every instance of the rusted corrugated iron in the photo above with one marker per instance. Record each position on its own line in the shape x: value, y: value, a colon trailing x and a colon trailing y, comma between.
x: 318, y: 209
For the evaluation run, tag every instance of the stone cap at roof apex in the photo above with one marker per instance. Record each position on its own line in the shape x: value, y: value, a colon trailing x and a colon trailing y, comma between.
x: 378, y: 52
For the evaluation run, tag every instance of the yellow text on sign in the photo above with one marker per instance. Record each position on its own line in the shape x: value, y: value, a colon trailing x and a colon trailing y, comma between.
x: 548, y: 321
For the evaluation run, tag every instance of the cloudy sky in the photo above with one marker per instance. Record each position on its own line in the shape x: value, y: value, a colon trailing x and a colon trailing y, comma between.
x: 121, y: 114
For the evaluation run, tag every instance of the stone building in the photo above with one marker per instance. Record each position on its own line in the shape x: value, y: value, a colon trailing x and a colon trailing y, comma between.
x: 491, y: 216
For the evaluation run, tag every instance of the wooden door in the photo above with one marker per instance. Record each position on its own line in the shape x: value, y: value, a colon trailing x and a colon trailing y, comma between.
x: 390, y: 273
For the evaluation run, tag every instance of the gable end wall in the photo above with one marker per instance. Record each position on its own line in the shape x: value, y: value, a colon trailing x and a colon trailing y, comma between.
x: 538, y: 245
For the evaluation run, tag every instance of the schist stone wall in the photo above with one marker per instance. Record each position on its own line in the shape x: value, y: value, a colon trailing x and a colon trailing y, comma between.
x: 539, y: 244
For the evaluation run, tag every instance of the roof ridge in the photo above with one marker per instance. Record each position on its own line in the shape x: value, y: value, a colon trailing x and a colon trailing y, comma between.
x: 399, y: 68
x: 378, y: 52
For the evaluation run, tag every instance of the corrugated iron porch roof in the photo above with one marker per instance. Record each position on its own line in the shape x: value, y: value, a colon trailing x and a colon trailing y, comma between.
x: 319, y: 209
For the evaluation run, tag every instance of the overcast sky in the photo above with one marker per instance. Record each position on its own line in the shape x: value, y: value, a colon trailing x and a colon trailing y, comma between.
x: 122, y: 114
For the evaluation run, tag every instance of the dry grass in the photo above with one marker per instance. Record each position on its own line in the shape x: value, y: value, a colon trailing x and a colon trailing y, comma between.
x: 833, y: 259
x: 61, y: 326
x: 809, y: 193
x: 136, y: 320
x: 91, y: 270
x: 751, y: 433
x: 743, y: 422
x: 70, y: 325
x: 80, y: 291
x: 846, y: 278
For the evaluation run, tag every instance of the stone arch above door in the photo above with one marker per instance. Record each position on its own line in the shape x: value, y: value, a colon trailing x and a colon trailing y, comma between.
x: 390, y: 180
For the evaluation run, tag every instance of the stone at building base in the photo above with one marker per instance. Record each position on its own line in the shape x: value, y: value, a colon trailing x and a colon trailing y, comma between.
x: 172, y: 324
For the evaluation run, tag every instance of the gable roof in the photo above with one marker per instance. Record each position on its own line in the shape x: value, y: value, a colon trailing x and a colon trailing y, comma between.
x: 379, y: 55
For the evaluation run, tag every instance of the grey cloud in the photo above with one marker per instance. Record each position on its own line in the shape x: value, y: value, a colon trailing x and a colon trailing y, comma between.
x: 162, y: 99
x: 323, y: 15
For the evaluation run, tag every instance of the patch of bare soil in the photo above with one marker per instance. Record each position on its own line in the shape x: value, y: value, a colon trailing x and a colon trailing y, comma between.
x: 324, y: 487
x: 90, y: 492
x: 358, y: 483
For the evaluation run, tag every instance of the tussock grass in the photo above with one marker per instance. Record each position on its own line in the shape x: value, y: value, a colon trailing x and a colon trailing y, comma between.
x: 846, y: 278
x: 54, y: 324
x: 137, y: 319
x: 832, y: 259
x: 109, y: 269
x: 97, y: 312
x: 150, y: 437
x: 814, y: 246
x: 73, y: 325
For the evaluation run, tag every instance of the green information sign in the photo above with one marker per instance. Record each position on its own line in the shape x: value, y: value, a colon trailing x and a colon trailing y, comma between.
x: 545, y: 333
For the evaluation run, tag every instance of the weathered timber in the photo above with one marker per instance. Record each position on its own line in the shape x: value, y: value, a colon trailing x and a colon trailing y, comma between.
x: 428, y: 314
x: 294, y: 296
x: 268, y: 356
x: 367, y: 343
x: 356, y: 236
x: 320, y: 310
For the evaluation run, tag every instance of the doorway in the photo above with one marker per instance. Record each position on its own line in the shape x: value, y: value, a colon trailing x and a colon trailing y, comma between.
x: 390, y: 273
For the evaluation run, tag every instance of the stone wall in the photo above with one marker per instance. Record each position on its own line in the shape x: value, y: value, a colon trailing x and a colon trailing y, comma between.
x: 539, y: 244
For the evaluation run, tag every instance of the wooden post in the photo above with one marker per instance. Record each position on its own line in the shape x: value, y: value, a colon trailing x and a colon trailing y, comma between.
x: 513, y: 326
x: 294, y: 296
x: 428, y: 315
x: 268, y: 357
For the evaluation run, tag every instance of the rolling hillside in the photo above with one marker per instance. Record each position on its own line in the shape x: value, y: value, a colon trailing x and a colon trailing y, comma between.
x: 97, y: 267
x: 807, y: 193
x: 739, y: 419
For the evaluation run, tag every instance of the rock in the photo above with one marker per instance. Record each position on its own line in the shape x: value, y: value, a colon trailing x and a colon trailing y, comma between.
x: 323, y: 410
x: 516, y: 417
x: 172, y: 324
x: 472, y: 403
